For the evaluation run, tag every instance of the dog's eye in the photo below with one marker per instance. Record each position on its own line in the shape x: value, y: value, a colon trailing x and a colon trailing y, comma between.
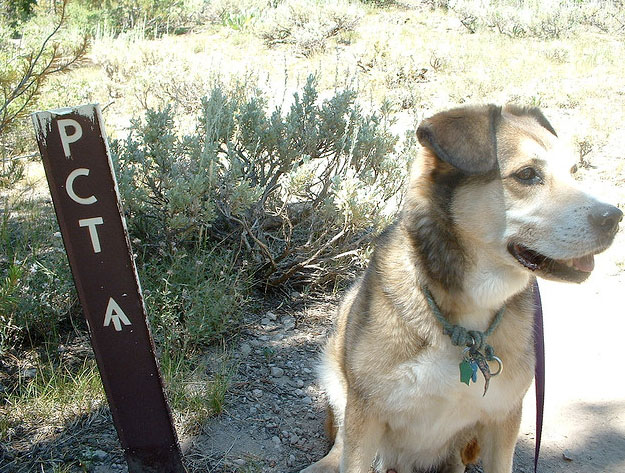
x: 528, y: 175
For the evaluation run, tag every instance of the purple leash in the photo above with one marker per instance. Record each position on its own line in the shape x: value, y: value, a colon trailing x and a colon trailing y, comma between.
x: 539, y: 373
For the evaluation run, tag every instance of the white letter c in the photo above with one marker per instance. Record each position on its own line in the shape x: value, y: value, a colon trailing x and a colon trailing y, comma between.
x: 69, y: 186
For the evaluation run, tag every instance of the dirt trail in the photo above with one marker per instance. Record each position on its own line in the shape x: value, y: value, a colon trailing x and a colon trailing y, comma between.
x: 585, y: 399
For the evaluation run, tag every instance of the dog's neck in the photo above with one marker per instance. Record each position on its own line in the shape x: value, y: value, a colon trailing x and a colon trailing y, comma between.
x: 488, y: 283
x: 486, y: 288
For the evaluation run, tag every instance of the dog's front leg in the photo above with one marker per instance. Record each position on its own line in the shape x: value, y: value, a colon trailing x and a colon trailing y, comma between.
x: 497, y: 440
x: 362, y: 434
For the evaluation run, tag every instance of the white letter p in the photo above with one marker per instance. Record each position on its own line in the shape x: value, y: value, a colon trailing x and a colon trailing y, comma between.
x: 67, y: 139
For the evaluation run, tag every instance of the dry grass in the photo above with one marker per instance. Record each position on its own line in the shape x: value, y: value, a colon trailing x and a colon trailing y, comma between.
x: 49, y: 408
x: 420, y: 60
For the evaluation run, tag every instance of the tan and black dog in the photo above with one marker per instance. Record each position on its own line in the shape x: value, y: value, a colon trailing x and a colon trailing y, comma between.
x: 491, y: 205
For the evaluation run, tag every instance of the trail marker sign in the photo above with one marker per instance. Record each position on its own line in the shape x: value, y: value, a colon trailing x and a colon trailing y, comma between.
x: 84, y: 191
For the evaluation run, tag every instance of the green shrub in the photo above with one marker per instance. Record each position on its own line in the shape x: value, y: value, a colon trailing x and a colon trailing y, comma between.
x: 193, y: 298
x: 193, y: 294
x: 16, y: 12
x: 300, y: 193
x: 166, y: 182
x: 151, y: 18
x: 308, y: 25
x: 37, y: 295
x: 43, y: 50
x: 544, y: 20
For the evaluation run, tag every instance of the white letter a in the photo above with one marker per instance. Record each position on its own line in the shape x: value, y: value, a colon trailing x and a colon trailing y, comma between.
x: 115, y: 314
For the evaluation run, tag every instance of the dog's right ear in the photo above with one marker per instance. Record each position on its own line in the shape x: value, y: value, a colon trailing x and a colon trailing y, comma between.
x: 463, y: 137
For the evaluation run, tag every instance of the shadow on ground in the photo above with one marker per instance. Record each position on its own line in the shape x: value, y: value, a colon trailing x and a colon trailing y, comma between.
x: 597, y: 446
x: 83, y: 443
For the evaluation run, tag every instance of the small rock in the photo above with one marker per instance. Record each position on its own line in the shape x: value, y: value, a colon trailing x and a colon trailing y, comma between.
x: 257, y: 393
x: 293, y: 439
x: 239, y: 462
x: 265, y: 321
x: 271, y: 316
x: 298, y: 383
x: 290, y: 461
x: 567, y: 456
x: 29, y: 373
x: 307, y: 400
x: 275, y: 439
x: 99, y: 455
x: 299, y: 393
x: 245, y: 349
x: 288, y: 322
x: 277, y: 372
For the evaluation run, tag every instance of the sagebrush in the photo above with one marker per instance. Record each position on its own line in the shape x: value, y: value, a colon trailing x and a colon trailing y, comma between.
x: 299, y: 192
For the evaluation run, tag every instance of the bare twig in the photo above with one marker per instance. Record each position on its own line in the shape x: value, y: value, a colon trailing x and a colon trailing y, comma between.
x: 297, y: 266
x: 17, y: 158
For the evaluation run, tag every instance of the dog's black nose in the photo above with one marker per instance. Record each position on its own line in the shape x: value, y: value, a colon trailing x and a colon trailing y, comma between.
x: 605, y: 217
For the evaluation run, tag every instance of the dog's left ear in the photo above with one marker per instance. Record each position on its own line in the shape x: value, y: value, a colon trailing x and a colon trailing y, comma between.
x: 463, y: 137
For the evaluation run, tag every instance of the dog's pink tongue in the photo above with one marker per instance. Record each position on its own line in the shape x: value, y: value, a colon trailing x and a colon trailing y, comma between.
x: 585, y: 263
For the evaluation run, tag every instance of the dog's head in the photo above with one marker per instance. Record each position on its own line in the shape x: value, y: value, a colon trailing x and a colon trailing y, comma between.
x: 500, y: 183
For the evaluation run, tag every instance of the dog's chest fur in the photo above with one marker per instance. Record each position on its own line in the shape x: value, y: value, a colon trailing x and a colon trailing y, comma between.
x: 427, y: 409
x: 427, y: 404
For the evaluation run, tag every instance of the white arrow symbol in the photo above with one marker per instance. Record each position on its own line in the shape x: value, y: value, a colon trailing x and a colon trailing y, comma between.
x: 115, y: 314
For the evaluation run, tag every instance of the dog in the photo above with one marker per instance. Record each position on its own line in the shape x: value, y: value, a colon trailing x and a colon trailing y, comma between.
x: 490, y: 205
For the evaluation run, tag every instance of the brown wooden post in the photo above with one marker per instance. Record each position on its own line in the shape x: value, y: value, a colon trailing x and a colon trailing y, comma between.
x: 80, y: 174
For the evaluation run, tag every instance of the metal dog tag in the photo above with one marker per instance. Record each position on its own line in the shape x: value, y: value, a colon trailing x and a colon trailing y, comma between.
x: 466, y: 372
x: 472, y: 361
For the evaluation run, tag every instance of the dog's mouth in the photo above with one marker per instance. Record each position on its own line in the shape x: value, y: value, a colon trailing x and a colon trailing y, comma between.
x: 573, y: 270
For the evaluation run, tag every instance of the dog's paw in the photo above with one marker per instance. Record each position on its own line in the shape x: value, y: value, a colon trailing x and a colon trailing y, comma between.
x: 325, y: 465
x: 316, y: 468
